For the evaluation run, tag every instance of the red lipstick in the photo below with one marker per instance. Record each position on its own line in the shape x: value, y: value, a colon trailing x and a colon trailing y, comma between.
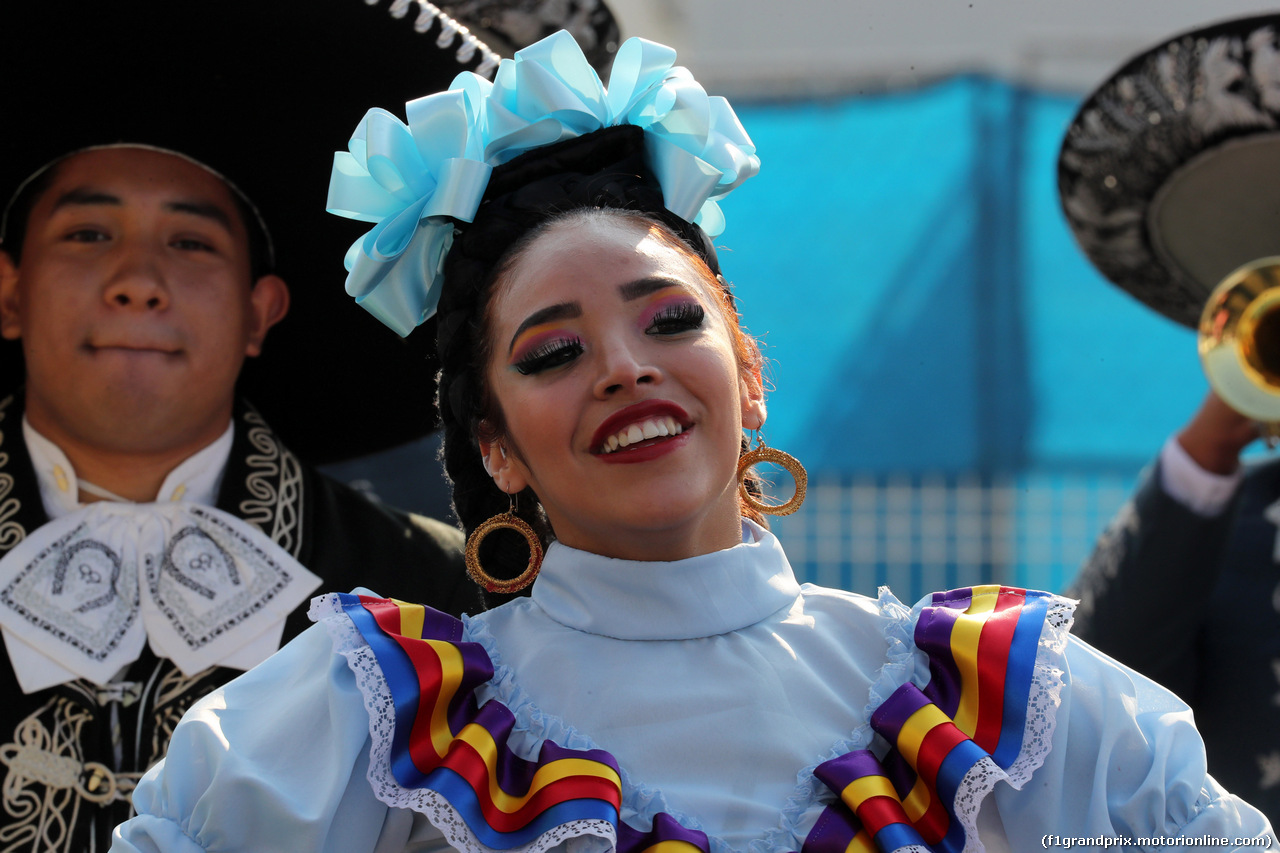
x: 648, y: 448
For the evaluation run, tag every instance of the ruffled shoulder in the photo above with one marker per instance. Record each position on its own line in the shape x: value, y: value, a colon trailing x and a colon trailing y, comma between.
x: 438, y: 751
x: 994, y: 657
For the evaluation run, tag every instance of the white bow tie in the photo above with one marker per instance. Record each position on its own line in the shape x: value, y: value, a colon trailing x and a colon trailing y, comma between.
x: 81, y: 595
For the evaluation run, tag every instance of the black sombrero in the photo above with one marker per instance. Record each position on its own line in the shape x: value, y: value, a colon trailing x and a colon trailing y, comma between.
x: 1170, y: 172
x: 258, y: 90
x: 507, y: 26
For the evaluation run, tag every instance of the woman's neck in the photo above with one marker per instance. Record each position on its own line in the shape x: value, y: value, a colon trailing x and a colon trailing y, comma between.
x: 660, y: 544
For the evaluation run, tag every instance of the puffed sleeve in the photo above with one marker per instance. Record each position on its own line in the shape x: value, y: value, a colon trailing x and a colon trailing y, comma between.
x: 1011, y: 734
x: 276, y: 760
x: 1126, y: 762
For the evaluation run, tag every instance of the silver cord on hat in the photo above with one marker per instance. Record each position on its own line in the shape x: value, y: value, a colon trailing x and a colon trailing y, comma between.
x: 449, y: 30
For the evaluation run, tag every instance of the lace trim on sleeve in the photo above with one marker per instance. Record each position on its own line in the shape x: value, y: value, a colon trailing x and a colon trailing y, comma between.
x: 1046, y: 691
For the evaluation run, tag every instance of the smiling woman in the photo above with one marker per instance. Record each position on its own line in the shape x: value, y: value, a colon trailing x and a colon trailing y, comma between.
x: 629, y: 359
x: 668, y: 685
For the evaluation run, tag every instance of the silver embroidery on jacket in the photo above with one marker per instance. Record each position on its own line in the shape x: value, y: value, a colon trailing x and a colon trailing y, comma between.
x: 275, y: 487
x: 11, y: 531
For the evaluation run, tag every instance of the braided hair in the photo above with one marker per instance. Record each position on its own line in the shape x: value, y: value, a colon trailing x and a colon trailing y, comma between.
x: 603, y: 170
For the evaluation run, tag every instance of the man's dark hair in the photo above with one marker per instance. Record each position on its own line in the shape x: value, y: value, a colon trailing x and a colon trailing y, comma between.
x: 19, y: 210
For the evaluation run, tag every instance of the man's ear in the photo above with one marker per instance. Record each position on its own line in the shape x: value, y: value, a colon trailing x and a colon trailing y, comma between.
x: 751, y: 392
x: 269, y: 303
x: 501, y: 465
x: 10, y: 317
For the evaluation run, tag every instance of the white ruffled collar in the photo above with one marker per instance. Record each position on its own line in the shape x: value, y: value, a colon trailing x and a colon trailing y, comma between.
x: 701, y: 596
x: 197, y: 479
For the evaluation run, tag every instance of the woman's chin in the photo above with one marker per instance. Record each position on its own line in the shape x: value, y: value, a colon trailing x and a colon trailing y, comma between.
x: 667, y: 517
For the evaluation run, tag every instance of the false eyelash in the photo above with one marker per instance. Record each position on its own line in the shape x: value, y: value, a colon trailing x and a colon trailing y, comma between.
x: 681, y: 317
x: 548, y: 355
x: 450, y: 29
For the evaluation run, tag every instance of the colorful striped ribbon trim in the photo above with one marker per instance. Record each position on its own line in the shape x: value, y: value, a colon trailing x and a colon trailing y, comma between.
x: 982, y: 644
x: 444, y: 742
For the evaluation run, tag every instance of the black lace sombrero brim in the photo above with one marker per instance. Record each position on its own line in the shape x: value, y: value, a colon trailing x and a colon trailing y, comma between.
x: 1170, y: 171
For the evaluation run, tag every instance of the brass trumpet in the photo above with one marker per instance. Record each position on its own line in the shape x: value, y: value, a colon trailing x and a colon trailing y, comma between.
x: 1239, y: 341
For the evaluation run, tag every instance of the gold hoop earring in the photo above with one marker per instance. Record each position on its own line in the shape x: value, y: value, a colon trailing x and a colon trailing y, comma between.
x: 510, y: 521
x: 777, y: 457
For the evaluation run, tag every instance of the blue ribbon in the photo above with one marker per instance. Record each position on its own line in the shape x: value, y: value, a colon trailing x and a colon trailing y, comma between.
x: 414, y: 180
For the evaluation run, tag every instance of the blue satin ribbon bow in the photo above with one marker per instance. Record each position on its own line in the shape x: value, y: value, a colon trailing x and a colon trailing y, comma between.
x: 414, y: 179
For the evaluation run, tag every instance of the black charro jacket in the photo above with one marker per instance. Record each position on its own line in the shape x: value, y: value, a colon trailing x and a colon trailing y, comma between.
x: 71, y: 753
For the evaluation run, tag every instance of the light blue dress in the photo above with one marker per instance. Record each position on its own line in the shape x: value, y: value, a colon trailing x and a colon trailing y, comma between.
x: 717, y: 683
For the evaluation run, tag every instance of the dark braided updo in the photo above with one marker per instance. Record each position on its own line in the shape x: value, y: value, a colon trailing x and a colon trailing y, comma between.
x: 602, y: 170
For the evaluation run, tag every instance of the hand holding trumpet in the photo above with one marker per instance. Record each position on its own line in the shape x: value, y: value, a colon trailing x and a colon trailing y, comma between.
x: 1217, y: 434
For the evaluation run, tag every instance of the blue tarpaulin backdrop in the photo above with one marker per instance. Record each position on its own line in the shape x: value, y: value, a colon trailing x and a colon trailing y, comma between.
x: 924, y: 304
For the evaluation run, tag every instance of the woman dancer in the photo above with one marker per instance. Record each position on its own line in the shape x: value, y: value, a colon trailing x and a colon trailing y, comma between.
x: 668, y: 684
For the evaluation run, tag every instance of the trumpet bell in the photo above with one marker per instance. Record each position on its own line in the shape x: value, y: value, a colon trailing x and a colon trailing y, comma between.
x: 1239, y: 339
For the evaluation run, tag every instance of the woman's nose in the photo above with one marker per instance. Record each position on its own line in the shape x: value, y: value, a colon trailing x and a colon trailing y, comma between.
x: 624, y: 368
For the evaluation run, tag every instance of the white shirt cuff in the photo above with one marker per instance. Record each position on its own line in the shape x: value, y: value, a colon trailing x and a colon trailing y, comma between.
x: 1200, y: 491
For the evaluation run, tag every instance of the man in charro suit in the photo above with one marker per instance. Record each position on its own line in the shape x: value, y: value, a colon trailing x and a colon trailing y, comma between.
x: 132, y: 294
x: 156, y: 535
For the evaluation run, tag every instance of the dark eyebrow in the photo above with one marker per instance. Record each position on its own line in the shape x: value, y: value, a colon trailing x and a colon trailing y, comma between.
x: 559, y: 311
x: 206, y: 209
x: 87, y: 196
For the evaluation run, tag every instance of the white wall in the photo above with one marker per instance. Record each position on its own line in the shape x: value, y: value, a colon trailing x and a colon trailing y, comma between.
x: 770, y: 47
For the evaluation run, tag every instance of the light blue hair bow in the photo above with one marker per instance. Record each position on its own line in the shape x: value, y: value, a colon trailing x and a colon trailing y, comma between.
x: 413, y: 180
